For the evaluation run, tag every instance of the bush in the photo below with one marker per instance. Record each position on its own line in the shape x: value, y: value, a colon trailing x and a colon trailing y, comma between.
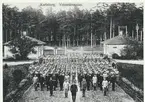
x: 140, y: 51
x: 40, y: 60
x: 17, y: 56
x: 115, y: 56
x: 17, y: 75
x: 22, y: 46
x: 132, y: 51
x: 5, y: 66
x: 9, y: 59
x: 5, y: 86
x: 101, y: 54
x: 106, y: 57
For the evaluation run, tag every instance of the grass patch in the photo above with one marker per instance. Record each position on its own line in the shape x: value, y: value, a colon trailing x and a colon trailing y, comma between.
x: 132, y: 72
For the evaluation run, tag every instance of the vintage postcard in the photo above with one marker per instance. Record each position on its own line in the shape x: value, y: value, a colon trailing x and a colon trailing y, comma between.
x: 72, y: 51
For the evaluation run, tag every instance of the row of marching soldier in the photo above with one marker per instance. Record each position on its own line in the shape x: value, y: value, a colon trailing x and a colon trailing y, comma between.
x: 51, y: 81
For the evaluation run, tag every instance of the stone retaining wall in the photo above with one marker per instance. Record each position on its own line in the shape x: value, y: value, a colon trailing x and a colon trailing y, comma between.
x: 130, y: 89
x: 16, y: 94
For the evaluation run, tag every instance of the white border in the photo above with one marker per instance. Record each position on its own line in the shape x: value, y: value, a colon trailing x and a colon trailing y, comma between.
x: 48, y: 1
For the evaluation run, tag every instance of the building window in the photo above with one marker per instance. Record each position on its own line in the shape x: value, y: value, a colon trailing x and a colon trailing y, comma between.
x: 114, y: 47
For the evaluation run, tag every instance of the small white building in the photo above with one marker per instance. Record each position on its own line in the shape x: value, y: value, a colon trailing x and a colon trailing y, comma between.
x: 48, y: 50
x: 39, y: 49
x: 116, y: 44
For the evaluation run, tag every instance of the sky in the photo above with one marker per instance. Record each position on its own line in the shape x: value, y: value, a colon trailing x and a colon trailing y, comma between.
x: 57, y: 6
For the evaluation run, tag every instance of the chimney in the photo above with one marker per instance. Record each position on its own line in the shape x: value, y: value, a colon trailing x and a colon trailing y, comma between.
x: 24, y: 33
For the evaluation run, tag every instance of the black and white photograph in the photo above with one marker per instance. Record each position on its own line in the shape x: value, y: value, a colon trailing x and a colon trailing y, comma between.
x: 73, y: 51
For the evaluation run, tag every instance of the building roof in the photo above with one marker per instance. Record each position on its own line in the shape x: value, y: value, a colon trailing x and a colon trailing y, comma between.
x: 119, y: 40
x: 39, y: 42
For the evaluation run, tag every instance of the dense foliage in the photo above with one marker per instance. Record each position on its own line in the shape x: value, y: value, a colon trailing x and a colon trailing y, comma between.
x: 73, y: 26
x: 21, y: 47
x: 131, y: 51
x: 10, y: 76
x: 17, y: 75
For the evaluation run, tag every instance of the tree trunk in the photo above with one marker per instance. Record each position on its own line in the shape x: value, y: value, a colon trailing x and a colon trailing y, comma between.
x: 113, y: 29
x: 110, y: 27
x: 74, y: 36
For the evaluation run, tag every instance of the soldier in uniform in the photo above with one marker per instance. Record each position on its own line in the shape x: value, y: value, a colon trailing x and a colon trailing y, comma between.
x: 41, y: 82
x: 101, y: 80
x: 61, y: 80
x: 105, y: 86
x: 66, y: 88
x: 88, y: 79
x: 73, y: 90
x: 51, y: 86
x: 113, y: 80
x: 54, y: 81
x: 94, y: 79
x: 47, y: 81
x: 84, y: 86
x: 35, y: 80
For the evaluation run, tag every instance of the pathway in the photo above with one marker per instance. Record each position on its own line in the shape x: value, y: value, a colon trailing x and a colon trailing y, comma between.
x: 141, y: 62
x: 91, y: 96
x: 18, y: 62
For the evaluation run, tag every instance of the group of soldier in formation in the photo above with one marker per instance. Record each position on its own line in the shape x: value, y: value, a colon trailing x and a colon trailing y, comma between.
x: 104, y: 75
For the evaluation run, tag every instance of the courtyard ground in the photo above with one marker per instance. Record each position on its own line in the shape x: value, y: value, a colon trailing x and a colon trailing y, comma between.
x: 91, y: 96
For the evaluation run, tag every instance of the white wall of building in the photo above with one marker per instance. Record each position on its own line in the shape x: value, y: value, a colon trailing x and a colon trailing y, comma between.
x: 110, y: 49
x: 39, y: 52
x: 7, y: 53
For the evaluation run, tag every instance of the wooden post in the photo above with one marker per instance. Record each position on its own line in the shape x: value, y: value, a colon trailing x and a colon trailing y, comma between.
x: 65, y: 50
x: 6, y: 35
x: 91, y: 31
x: 77, y: 42
x: 141, y: 35
x: 110, y: 27
x: 91, y: 39
x: 118, y: 30
x: 132, y: 34
x: 64, y: 41
x: 100, y: 39
x: 126, y: 31
x: 105, y: 36
x: 113, y: 29
x: 67, y: 42
x: 10, y: 34
x: 74, y: 36
x: 137, y: 28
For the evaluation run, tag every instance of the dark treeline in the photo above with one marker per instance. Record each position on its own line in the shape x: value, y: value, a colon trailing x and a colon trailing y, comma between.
x: 74, y: 26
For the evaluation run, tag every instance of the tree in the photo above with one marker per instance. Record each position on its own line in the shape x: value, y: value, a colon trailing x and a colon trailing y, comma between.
x: 133, y: 50
x: 22, y: 46
x: 74, y: 24
x: 17, y: 75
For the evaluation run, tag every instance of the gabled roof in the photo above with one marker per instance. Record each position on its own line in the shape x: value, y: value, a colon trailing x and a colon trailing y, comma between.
x: 39, y: 42
x: 119, y: 40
